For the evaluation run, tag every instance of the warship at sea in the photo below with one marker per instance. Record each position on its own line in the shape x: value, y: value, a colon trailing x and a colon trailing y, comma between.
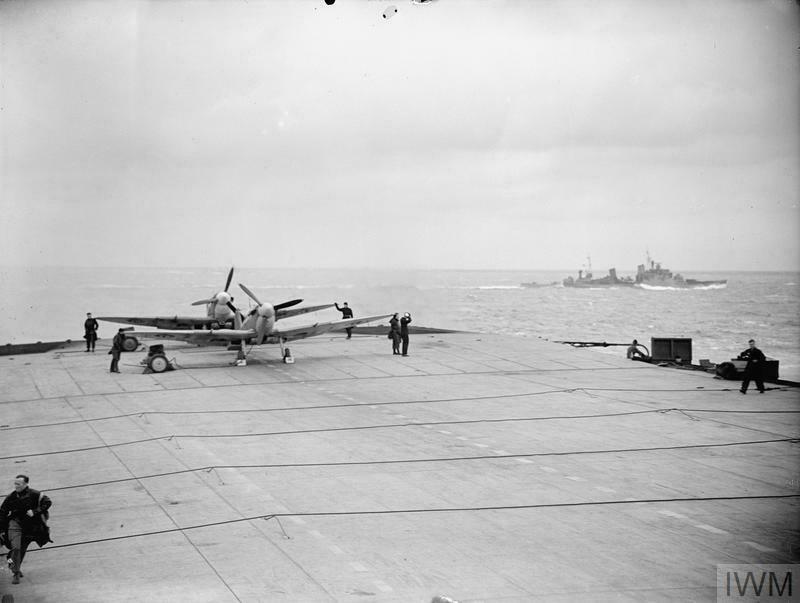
x: 653, y: 275
x: 650, y: 275
x: 586, y: 279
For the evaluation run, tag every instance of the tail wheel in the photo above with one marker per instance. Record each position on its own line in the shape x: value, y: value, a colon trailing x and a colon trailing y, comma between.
x: 158, y: 363
x: 130, y: 344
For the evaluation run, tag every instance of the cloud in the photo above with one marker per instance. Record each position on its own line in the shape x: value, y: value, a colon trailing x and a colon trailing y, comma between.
x: 296, y: 132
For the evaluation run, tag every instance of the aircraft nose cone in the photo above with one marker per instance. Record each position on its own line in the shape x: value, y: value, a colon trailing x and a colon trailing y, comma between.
x: 265, y: 310
x: 223, y: 298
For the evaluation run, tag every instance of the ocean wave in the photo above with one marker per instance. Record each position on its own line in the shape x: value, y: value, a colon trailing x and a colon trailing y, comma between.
x: 285, y: 286
x: 109, y: 286
x: 463, y: 287
x: 666, y: 288
x: 709, y: 287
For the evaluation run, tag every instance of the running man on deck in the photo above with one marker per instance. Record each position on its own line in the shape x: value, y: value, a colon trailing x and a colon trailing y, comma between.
x: 21, y: 522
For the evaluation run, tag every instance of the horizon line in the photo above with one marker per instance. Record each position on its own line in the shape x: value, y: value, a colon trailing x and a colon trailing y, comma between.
x: 369, y: 268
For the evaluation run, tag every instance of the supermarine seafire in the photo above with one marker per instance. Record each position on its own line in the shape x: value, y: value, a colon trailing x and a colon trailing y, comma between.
x: 225, y: 325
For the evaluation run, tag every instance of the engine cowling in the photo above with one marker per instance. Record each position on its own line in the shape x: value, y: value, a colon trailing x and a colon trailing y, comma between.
x: 265, y: 321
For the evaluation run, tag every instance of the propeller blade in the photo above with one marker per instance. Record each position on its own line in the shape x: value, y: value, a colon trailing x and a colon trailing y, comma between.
x: 228, y: 282
x: 250, y: 294
x: 287, y: 304
x: 261, y: 330
x: 204, y: 302
x: 237, y: 316
x: 235, y: 310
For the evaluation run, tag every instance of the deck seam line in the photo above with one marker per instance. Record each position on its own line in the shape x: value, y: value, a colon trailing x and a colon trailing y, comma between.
x: 163, y: 510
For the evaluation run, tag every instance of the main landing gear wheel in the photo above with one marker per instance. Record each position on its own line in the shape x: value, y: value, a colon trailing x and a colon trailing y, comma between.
x: 130, y: 344
x: 158, y: 363
x: 727, y: 370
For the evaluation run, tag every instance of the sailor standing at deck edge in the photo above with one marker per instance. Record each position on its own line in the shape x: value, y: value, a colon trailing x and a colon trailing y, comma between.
x: 755, y: 367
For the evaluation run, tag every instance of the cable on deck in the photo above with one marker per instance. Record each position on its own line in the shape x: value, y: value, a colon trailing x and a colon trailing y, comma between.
x: 400, y: 402
x: 210, y: 468
x: 417, y: 511
x: 340, y: 429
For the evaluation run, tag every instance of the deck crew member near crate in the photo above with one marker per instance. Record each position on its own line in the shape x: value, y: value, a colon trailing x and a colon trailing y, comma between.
x: 347, y: 312
x: 404, y: 331
x: 633, y: 351
x: 755, y: 367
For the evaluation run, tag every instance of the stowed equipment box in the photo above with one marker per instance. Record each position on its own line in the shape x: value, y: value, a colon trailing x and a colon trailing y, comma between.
x: 671, y: 348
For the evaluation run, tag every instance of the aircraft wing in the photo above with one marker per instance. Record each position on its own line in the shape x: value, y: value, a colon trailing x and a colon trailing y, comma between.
x: 319, y: 328
x: 287, y: 312
x: 163, y: 322
x: 196, y: 337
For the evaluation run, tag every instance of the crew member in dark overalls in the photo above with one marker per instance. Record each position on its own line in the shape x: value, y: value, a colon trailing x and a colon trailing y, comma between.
x: 346, y: 313
x: 394, y: 334
x: 21, y: 516
x: 404, y: 331
x: 90, y: 327
x: 116, y: 350
x: 755, y: 367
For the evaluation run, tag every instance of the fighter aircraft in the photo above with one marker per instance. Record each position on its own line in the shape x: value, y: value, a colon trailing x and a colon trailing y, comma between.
x: 257, y: 328
x: 220, y: 313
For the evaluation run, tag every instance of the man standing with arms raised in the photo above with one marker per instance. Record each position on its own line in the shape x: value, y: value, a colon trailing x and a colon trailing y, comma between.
x: 347, y: 312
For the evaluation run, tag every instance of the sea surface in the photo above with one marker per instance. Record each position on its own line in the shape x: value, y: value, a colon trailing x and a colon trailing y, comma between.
x: 46, y: 304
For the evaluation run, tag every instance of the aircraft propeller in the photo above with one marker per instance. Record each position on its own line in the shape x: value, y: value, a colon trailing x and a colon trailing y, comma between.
x: 250, y: 294
x: 288, y: 304
x: 219, y: 297
x: 266, y: 312
x: 230, y: 278
x: 280, y: 306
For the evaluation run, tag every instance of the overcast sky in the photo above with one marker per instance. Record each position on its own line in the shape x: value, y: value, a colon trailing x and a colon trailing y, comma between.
x: 455, y: 134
